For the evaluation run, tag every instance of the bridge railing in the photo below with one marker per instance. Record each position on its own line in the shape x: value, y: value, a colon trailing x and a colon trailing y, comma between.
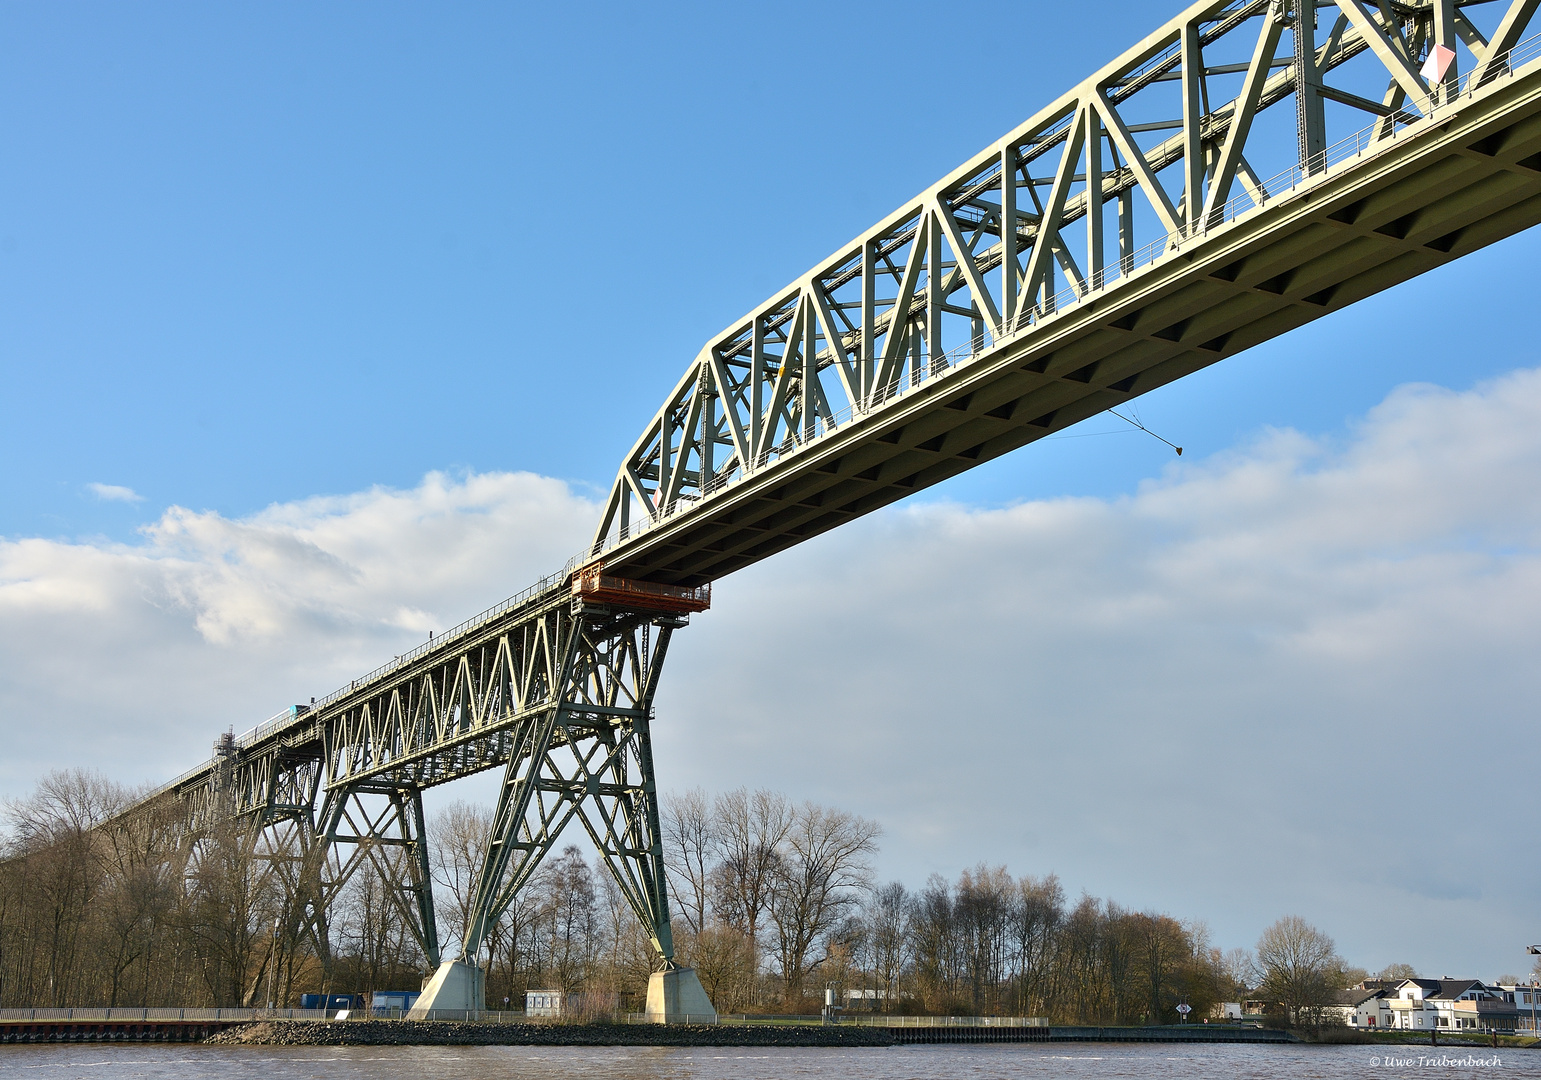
x: 1383, y: 133
x: 544, y: 585
x: 1330, y: 162
x: 292, y: 716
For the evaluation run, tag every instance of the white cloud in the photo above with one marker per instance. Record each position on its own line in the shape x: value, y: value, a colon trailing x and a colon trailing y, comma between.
x: 132, y: 657
x: 114, y: 493
x: 1295, y: 677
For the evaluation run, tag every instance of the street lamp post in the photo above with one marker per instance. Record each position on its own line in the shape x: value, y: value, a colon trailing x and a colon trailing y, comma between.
x: 1533, y: 950
x: 272, y: 963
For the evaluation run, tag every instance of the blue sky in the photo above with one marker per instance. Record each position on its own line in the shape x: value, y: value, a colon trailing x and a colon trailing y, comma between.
x: 256, y: 261
x: 249, y: 254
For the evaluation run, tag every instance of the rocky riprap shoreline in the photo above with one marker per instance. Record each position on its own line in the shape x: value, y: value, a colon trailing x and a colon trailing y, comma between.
x: 454, y: 1033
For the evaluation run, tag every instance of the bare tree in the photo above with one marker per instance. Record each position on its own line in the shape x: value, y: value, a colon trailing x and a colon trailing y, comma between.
x: 983, y: 915
x: 1298, y: 962
x: 749, y: 834
x: 1038, y: 913
x: 138, y: 900
x: 382, y: 953
x: 625, y: 957
x: 888, y: 939
x: 724, y: 961
x: 228, y: 912
x: 1240, y: 968
x: 1160, y: 949
x: 1085, y: 960
x: 65, y: 804
x: 139, y: 894
x: 566, y: 886
x: 458, y: 836
x: 690, y: 844
x: 826, y: 869
x: 933, y: 944
x: 66, y: 864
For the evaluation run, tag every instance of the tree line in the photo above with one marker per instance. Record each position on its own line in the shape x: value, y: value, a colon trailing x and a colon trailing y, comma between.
x: 778, y: 902
x: 773, y: 903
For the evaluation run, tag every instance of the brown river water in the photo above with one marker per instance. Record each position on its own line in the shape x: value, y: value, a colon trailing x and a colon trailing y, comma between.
x: 1040, y: 1060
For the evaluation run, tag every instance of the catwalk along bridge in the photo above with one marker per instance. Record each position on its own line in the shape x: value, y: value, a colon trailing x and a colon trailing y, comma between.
x: 1248, y: 167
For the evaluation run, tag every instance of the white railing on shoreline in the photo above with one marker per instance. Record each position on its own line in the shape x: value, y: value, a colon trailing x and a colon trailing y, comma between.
x: 875, y: 1020
x: 463, y: 1016
x: 488, y: 1016
x: 852, y: 1019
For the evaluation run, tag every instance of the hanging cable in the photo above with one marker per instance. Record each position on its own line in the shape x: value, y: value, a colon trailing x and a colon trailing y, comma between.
x: 1147, y: 431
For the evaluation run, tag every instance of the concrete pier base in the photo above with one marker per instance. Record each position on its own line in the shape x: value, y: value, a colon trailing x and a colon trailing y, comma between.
x: 676, y: 996
x: 457, y: 987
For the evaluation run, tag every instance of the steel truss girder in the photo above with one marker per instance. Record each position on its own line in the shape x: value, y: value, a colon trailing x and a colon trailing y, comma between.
x: 1168, y: 135
x: 450, y: 713
x: 1009, y: 258
x: 559, y: 692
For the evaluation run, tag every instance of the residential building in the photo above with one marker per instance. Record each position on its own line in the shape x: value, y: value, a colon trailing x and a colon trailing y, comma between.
x: 1358, y: 1006
x: 1424, y: 1004
x: 1526, y: 998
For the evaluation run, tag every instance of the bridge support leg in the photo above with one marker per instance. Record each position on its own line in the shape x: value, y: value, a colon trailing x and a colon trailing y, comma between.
x: 379, y: 826
x: 588, y: 756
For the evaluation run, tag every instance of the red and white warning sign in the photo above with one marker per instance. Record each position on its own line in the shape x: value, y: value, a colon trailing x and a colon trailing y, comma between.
x: 1439, y: 61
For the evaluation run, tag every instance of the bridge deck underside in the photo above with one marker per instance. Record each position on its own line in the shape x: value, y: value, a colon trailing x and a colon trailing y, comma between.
x: 1448, y: 191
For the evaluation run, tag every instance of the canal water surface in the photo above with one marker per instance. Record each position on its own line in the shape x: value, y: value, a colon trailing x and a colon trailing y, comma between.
x: 1053, y: 1060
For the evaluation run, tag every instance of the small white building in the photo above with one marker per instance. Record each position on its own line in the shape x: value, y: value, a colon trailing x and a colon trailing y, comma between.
x: 543, y: 1003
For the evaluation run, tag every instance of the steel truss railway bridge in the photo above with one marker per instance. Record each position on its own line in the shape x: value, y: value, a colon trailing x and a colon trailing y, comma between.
x: 1248, y: 167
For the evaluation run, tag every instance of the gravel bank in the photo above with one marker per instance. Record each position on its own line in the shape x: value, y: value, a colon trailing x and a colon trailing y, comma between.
x: 451, y: 1033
